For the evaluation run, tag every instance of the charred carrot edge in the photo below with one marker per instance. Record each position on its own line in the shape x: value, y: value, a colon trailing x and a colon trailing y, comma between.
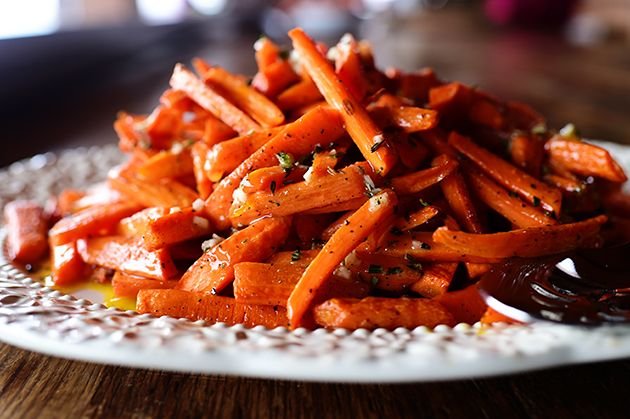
x: 184, y: 80
x: 436, y: 279
x: 388, y: 313
x: 264, y: 111
x: 320, y: 126
x: 512, y: 178
x: 27, y: 231
x: 422, y: 179
x: 465, y: 305
x: 215, y: 269
x: 585, y: 159
x: 528, y: 242
x: 125, y: 285
x: 363, y: 131
x: 343, y: 241
x: 208, y: 307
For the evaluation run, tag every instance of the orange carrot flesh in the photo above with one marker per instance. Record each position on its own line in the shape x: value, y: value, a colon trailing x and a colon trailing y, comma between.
x: 211, y: 308
x: 465, y: 305
x: 199, y: 153
x: 527, y: 153
x: 167, y: 164
x: 585, y: 159
x: 435, y: 280
x: 394, y: 275
x: 300, y: 94
x: 491, y: 316
x: 347, y: 184
x: 343, y: 241
x: 363, y: 131
x: 125, y: 285
x: 517, y: 211
x: 409, y: 119
x: 27, y: 231
x: 67, y: 266
x: 96, y: 220
x: 184, y: 80
x: 320, y: 126
x: 215, y: 269
x: 388, y: 313
x: 350, y: 68
x: 417, y: 218
x: 422, y: 179
x: 216, y: 131
x: 127, y: 255
x: 512, y: 178
x: 528, y: 242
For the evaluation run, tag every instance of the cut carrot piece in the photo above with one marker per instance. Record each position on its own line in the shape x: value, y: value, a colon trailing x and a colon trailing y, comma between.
x: 66, y: 201
x: 364, y: 132
x: 274, y: 72
x: 350, y: 68
x: 211, y: 308
x: 160, y: 126
x: 465, y: 305
x: 266, y: 179
x: 585, y: 159
x: 436, y: 278
x: 160, y: 227
x: 528, y: 242
x: 422, y: 179
x: 320, y: 126
x: 216, y: 131
x: 310, y: 228
x: 199, y: 153
x: 475, y: 270
x: 300, y: 94
x: 128, y: 256
x: 528, y: 153
x: 125, y: 285
x: 98, y: 194
x: 167, y: 164
x: 27, y: 231
x: 492, y: 316
x: 384, y: 272
x: 67, y: 266
x: 347, y: 184
x: 517, y: 211
x: 407, y: 118
x: 184, y: 80
x: 215, y: 269
x: 417, y: 218
x: 512, y: 178
x: 343, y: 241
x: 388, y: 313
x: 96, y: 220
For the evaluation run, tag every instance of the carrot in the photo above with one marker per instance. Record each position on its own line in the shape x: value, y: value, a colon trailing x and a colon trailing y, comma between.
x: 388, y: 313
x: 475, y: 270
x: 67, y: 199
x: 517, y: 211
x: 211, y: 308
x: 216, y: 131
x: 568, y: 185
x: 265, y: 112
x: 128, y: 256
x: 96, y: 220
x: 184, y: 80
x: 417, y: 218
x: 215, y: 269
x: 435, y: 280
x: 492, y: 316
x: 412, y: 152
x: 452, y: 99
x: 265, y: 179
x: 300, y: 94
x: 163, y: 193
x: 343, y: 241
x: 527, y: 242
x: 274, y: 72
x: 160, y: 227
x: 347, y: 184
x: 416, y: 85
x: 167, y: 164
x: 409, y: 119
x: 98, y: 194
x: 324, y: 163
x: 160, y: 126
x: 422, y: 179
x: 199, y: 153
x: 363, y: 131
x: 384, y: 272
x: 27, y: 231
x: 320, y: 126
x: 487, y: 112
x: 129, y: 139
x: 585, y: 159
x: 125, y: 285
x: 512, y: 178
x: 465, y: 305
x: 350, y: 68
x: 310, y: 228
x: 528, y: 153
x: 350, y: 205
x: 67, y: 266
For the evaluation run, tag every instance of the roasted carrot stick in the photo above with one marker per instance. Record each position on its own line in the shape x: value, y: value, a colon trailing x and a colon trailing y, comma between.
x: 167, y: 164
x: 528, y: 153
x: 320, y: 126
x: 91, y: 221
x: 215, y: 269
x: 300, y: 94
x: 465, y: 305
x: 386, y: 273
x: 435, y: 280
x: 199, y: 153
x: 388, y: 313
x: 275, y: 73
x: 364, y: 132
x: 160, y: 125
x: 125, y: 285
x: 585, y: 159
x: 343, y: 241
x: 422, y: 179
x: 264, y: 111
x: 350, y: 68
x: 512, y: 178
x: 184, y: 80
x: 417, y: 218
x: 409, y: 119
x: 216, y: 131
x: 346, y: 185
x: 517, y: 211
x: 128, y: 256
x: 527, y: 242
x: 208, y: 307
x: 27, y: 231
x: 67, y: 266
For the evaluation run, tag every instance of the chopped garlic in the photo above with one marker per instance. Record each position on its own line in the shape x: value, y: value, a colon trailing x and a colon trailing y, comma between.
x: 201, y: 223
x: 174, y: 210
x: 343, y: 272
x: 177, y: 148
x: 308, y: 175
x: 211, y: 242
x: 198, y: 204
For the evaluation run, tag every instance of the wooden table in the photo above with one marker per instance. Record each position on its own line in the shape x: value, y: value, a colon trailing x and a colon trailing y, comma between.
x: 588, y: 86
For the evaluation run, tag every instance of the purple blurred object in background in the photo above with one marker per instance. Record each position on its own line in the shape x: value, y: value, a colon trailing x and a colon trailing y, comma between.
x: 534, y: 13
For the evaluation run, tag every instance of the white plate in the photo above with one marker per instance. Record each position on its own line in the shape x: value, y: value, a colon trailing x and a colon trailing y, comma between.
x: 43, y: 320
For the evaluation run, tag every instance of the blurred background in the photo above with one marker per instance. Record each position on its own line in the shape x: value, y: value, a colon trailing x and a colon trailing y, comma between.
x: 67, y: 66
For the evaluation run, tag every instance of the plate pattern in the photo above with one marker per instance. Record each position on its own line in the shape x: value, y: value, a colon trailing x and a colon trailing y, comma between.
x: 42, y: 319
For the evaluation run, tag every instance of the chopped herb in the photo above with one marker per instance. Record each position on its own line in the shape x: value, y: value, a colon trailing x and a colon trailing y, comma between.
x: 394, y: 270
x: 536, y: 201
x: 513, y: 194
x: 396, y: 231
x: 375, y: 269
x: 424, y: 203
x: 273, y: 186
x: 296, y: 255
x: 412, y: 263
x: 286, y: 160
x: 374, y: 280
